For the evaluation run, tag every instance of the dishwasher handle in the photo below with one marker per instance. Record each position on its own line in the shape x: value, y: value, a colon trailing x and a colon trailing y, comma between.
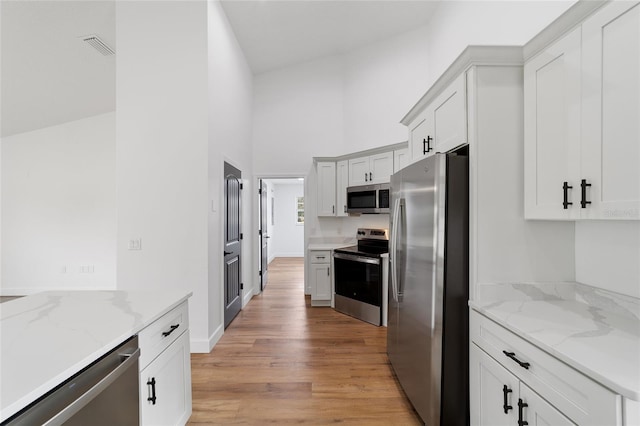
x: 130, y: 360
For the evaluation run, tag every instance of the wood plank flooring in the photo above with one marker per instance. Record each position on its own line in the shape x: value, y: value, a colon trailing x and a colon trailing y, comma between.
x: 282, y: 362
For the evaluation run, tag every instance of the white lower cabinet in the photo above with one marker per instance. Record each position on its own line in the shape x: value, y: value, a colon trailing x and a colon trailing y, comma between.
x: 512, y: 382
x: 165, y: 370
x: 499, y: 398
x: 320, y: 277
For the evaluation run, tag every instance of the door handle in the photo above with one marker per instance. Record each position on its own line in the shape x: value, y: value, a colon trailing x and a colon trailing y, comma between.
x: 226, y: 253
x: 521, y: 406
x: 152, y: 398
x: 266, y: 236
x: 506, y: 407
x: 565, y: 189
x: 583, y: 186
x: 365, y: 177
x: 370, y: 177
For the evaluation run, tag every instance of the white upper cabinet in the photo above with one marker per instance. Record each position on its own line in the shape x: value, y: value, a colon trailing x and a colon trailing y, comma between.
x: 450, y: 117
x: 582, y: 121
x: 442, y: 126
x: 326, y: 188
x: 552, y: 129
x: 401, y: 159
x: 421, y: 136
x: 373, y: 169
x: 342, y: 182
x: 611, y: 112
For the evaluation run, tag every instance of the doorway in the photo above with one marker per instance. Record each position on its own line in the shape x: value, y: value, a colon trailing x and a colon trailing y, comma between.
x: 280, y: 222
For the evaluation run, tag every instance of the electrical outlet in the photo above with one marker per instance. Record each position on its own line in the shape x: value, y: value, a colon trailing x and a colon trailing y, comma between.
x: 135, y: 244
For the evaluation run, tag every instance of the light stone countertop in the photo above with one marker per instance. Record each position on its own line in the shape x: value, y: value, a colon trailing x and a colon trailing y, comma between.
x: 48, y: 337
x: 329, y: 246
x: 592, y: 330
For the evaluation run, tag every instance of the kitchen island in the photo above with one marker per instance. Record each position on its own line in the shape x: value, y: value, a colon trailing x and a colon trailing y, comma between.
x: 48, y: 337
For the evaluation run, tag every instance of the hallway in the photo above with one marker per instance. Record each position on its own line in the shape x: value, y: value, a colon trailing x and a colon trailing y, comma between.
x: 283, y: 362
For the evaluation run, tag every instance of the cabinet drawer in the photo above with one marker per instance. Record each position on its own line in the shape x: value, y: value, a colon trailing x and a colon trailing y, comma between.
x: 323, y: 256
x: 578, y: 397
x: 159, y: 335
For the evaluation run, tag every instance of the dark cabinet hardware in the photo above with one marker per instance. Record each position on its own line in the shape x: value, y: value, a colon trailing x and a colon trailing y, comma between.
x: 173, y: 328
x: 583, y: 186
x: 320, y: 257
x: 505, y: 406
x: 426, y: 145
x: 512, y: 355
x: 226, y: 253
x: 565, y: 189
x: 328, y: 272
x: 333, y: 209
x: 521, y: 405
x: 345, y: 209
x: 152, y: 398
x: 370, y: 177
x: 366, y: 177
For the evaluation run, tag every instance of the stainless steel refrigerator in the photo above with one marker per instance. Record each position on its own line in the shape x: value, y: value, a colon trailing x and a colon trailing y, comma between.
x: 428, y: 331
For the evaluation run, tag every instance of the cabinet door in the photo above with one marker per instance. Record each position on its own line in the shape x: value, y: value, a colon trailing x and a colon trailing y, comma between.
x: 487, y: 381
x: 401, y: 159
x: 342, y: 182
x: 326, y: 188
x: 321, y: 281
x: 450, y: 117
x: 169, y: 375
x: 419, y: 130
x: 611, y: 112
x: 552, y: 130
x: 359, y: 171
x: 381, y: 167
x: 539, y: 412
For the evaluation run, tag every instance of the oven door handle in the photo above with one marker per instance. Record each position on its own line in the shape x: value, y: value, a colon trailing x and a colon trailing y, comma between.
x: 356, y: 258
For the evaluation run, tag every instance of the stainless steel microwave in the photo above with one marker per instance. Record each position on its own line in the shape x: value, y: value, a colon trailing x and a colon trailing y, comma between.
x: 368, y: 199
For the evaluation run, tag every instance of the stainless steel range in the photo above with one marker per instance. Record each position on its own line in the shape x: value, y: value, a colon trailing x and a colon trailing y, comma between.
x: 361, y: 275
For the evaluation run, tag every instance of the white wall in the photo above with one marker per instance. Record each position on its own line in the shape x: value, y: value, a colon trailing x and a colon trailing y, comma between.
x: 287, y: 237
x: 457, y: 24
x: 608, y: 255
x: 59, y: 207
x: 230, y: 111
x: 162, y: 151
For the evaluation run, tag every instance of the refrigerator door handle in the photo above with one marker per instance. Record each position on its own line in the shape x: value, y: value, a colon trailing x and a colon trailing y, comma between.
x: 394, y: 249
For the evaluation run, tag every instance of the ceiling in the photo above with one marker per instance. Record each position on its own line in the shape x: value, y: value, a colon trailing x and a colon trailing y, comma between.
x: 276, y: 33
x: 49, y: 76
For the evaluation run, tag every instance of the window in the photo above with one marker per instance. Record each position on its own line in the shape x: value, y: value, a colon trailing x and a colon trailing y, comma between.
x: 300, y: 210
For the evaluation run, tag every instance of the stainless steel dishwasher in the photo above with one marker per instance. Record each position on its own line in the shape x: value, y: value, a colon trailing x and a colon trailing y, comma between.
x: 104, y: 393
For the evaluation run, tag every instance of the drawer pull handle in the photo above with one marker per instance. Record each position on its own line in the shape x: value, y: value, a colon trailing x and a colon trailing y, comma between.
x: 512, y: 355
x: 152, y: 398
x: 320, y: 257
x: 505, y: 406
x: 173, y: 328
x: 521, y: 405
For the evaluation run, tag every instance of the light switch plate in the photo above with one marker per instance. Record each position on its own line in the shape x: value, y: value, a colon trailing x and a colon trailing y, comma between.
x: 135, y: 244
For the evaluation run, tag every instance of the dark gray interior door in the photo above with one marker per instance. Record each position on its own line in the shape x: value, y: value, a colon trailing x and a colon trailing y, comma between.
x: 232, y: 243
x: 264, y: 236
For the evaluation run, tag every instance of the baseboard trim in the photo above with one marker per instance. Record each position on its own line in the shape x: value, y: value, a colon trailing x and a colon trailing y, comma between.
x: 202, y: 346
x: 247, y: 298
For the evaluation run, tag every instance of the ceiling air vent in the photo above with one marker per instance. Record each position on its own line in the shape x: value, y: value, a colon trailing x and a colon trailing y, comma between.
x: 95, y: 42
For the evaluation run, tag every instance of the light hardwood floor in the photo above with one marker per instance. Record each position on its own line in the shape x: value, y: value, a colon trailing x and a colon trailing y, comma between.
x: 283, y: 362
